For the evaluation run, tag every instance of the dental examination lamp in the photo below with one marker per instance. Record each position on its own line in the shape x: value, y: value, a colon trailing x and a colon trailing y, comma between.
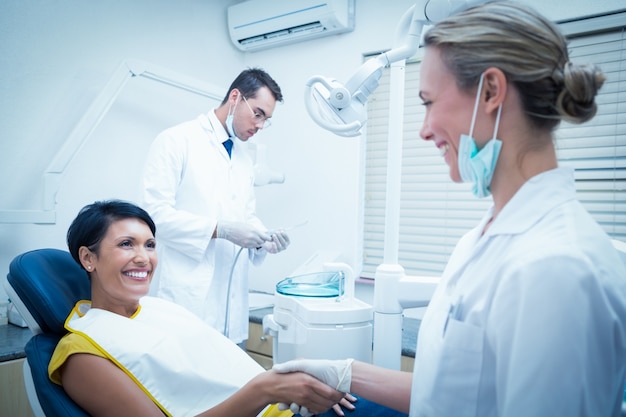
x: 341, y: 109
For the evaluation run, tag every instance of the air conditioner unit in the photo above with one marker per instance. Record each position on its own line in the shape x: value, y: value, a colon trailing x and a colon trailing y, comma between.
x: 261, y: 24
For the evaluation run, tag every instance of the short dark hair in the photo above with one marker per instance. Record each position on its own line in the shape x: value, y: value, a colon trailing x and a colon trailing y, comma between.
x: 93, y: 221
x: 249, y: 81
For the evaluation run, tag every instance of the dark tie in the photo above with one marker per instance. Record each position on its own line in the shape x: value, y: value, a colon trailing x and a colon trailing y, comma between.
x: 228, y: 144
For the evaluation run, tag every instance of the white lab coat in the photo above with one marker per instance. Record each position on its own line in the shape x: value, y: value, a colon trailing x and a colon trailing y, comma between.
x: 529, y: 319
x: 189, y: 184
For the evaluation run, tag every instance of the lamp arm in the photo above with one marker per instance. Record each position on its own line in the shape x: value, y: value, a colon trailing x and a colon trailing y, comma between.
x: 422, y: 13
x: 409, y: 31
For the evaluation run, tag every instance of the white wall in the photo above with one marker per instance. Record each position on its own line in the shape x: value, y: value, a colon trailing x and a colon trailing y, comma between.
x: 55, y: 57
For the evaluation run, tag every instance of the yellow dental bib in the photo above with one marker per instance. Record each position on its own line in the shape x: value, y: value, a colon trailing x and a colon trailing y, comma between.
x: 156, y: 348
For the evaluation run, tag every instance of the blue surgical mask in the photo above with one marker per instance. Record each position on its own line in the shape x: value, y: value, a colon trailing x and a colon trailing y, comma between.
x: 476, y: 166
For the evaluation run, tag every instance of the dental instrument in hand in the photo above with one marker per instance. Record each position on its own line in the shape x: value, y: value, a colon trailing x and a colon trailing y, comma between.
x: 287, y: 229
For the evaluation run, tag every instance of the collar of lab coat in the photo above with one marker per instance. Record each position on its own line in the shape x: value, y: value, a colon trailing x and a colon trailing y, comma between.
x: 533, y: 200
x: 216, y: 126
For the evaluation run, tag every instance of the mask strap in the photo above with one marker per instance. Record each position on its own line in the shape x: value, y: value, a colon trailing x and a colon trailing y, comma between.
x: 235, y: 106
x: 480, y: 88
x: 495, y: 128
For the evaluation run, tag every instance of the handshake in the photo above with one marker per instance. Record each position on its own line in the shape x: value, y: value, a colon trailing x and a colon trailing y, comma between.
x: 335, y: 373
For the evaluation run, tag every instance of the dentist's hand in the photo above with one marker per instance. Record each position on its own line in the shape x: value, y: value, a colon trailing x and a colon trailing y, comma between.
x: 242, y: 234
x: 280, y: 241
x: 336, y: 373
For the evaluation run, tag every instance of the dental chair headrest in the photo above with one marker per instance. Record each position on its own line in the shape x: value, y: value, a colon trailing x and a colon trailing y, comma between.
x: 49, y: 283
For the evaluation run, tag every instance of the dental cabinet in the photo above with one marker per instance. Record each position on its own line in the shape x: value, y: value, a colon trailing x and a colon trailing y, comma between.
x: 13, y: 399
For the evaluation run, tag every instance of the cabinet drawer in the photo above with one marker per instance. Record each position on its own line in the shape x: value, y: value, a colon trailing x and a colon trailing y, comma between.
x: 13, y: 398
x: 257, y: 342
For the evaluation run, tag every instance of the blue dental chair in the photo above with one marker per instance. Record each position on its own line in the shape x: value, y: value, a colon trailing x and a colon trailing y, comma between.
x: 44, y: 285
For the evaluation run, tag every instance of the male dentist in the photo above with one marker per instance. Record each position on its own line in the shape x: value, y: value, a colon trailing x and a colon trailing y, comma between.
x: 198, y: 186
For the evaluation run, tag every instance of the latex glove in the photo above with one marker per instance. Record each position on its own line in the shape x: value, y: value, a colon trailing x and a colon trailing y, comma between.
x: 242, y: 234
x: 280, y: 241
x: 336, y: 373
x: 257, y: 256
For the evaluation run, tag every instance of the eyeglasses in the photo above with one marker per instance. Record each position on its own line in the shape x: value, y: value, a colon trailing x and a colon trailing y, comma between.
x: 258, y: 117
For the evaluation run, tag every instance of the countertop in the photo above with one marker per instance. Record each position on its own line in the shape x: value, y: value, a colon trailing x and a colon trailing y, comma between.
x: 410, y: 328
x: 13, y: 338
x: 12, y: 341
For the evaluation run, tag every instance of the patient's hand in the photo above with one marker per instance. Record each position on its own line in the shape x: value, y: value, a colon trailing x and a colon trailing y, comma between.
x: 346, y: 402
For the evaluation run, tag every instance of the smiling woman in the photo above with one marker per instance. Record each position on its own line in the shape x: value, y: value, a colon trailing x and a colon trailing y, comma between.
x: 129, y: 354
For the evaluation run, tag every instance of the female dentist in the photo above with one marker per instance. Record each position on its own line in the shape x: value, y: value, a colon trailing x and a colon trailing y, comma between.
x: 529, y: 316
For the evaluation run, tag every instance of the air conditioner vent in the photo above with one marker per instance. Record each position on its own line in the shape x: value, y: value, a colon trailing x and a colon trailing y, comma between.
x: 279, y: 35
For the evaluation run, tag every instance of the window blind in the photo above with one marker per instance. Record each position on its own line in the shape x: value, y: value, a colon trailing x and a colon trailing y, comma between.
x: 435, y: 212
